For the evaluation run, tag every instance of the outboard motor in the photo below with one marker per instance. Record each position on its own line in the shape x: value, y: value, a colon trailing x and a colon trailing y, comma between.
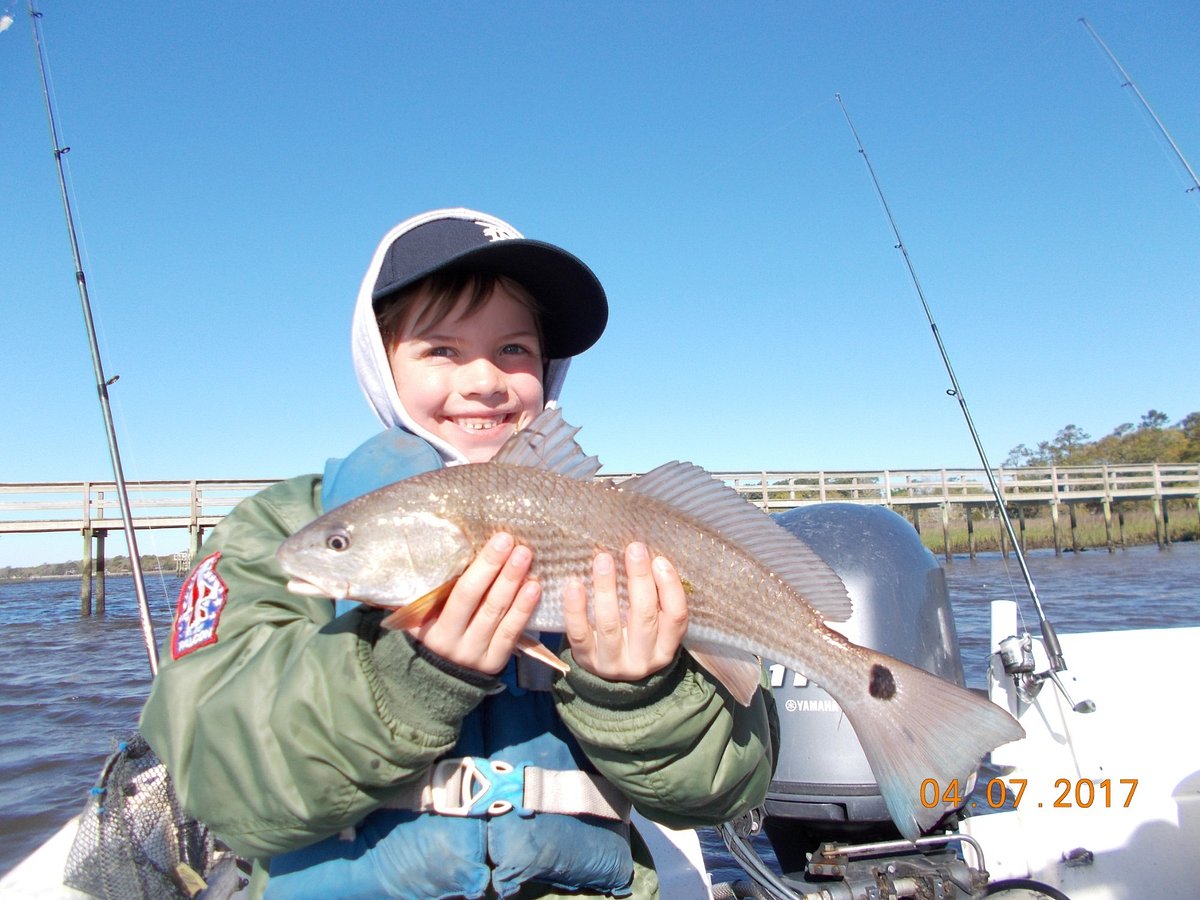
x: 823, y: 789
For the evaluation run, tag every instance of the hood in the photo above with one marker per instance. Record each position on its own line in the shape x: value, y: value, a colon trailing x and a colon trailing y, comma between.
x: 371, y: 361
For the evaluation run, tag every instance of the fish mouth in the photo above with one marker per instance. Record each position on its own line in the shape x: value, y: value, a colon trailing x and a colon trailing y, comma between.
x: 305, y: 588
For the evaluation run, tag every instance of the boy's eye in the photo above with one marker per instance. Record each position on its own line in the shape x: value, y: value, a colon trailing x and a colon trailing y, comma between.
x: 513, y: 349
x: 440, y: 351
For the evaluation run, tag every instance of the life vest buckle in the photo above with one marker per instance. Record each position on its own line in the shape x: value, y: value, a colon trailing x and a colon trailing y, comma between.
x: 473, y: 786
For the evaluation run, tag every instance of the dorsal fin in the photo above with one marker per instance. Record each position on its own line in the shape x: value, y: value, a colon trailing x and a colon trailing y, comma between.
x: 548, y: 443
x: 692, y: 491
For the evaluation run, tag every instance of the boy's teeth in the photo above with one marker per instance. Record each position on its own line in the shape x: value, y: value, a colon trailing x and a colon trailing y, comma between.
x: 478, y: 426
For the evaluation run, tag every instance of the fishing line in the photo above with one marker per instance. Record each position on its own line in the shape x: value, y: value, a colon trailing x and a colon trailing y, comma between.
x: 1049, y: 637
x: 164, y: 595
x: 1008, y: 575
x: 1020, y: 64
x: 116, y: 401
x: 706, y: 176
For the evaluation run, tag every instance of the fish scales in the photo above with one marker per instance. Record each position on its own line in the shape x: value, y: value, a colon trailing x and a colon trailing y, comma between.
x: 731, y: 597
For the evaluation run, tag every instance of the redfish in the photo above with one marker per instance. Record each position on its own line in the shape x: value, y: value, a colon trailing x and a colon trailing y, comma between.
x: 753, y: 588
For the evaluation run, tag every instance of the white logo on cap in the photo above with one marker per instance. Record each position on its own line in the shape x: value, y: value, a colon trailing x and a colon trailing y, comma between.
x: 496, y: 232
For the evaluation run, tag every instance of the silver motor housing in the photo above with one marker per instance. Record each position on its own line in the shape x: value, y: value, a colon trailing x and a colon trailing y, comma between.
x: 901, y: 607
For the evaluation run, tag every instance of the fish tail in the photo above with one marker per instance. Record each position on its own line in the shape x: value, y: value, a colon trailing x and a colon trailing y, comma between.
x: 924, y: 738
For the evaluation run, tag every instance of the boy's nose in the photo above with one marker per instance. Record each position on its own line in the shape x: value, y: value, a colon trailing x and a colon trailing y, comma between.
x: 480, y: 377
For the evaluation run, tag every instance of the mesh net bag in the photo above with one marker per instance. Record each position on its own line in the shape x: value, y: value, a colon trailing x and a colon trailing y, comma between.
x: 134, y: 840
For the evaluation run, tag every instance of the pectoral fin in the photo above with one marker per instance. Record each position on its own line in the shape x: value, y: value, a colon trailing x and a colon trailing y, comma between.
x: 535, y: 649
x: 412, y: 614
x: 740, y: 673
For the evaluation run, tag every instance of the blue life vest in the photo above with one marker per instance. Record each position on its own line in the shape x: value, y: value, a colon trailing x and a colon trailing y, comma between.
x: 415, y: 855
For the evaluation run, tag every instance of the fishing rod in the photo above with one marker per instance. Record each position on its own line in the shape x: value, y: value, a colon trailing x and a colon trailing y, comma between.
x: 102, y: 384
x: 1129, y: 83
x: 1049, y: 637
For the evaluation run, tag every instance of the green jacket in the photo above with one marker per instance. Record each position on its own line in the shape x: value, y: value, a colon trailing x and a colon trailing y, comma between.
x: 291, y: 724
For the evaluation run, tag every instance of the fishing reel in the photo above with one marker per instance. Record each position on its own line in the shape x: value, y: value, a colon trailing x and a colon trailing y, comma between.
x: 1016, y: 655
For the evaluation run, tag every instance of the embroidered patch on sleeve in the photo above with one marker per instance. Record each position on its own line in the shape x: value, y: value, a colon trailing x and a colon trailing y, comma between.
x: 201, y: 600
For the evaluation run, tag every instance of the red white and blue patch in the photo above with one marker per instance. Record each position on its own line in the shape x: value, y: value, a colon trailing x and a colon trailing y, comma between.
x: 201, y: 600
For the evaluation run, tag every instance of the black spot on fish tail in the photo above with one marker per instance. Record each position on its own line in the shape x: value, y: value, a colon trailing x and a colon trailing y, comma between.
x: 883, y: 684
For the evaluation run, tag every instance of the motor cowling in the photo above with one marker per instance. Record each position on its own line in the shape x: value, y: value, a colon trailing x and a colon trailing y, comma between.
x: 822, y: 781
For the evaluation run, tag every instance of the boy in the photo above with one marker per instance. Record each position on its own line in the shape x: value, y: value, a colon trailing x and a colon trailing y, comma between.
x: 312, y: 740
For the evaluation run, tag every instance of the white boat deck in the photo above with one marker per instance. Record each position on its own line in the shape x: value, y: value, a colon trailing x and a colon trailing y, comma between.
x: 1111, y: 802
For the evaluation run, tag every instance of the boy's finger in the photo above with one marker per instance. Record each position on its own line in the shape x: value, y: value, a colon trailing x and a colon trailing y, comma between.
x: 606, y: 607
x: 575, y: 620
x: 474, y: 582
x: 643, y: 602
x: 673, y: 605
x: 502, y: 593
x: 509, y: 630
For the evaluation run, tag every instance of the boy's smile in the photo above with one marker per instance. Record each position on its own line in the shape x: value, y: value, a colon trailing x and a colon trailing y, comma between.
x: 471, y: 381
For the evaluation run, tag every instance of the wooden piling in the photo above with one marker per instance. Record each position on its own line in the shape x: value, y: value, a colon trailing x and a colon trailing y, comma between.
x: 970, y: 533
x: 85, y: 575
x: 1074, y: 527
x: 195, y: 539
x: 946, y: 532
x: 1108, y: 534
x: 1054, y: 523
x: 1162, y: 529
x: 195, y: 529
x: 101, y: 534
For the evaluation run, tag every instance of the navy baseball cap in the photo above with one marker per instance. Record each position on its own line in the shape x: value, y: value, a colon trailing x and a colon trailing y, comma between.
x: 574, y: 308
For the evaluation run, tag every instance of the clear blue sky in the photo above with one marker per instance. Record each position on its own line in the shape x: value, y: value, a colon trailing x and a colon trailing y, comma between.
x: 234, y: 164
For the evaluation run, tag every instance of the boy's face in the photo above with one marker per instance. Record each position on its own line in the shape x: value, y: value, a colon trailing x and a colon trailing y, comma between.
x: 471, y: 381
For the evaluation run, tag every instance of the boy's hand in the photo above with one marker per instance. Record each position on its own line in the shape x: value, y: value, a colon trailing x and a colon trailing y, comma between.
x: 485, y: 614
x: 657, y: 618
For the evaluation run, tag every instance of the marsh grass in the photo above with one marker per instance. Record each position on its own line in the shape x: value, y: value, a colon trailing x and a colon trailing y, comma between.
x: 1132, y: 523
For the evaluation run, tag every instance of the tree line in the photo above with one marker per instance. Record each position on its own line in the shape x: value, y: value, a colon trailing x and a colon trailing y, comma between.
x: 1152, y: 440
x: 113, y: 565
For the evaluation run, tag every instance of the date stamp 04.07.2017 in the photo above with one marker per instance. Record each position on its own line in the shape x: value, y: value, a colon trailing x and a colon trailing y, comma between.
x: 1007, y: 793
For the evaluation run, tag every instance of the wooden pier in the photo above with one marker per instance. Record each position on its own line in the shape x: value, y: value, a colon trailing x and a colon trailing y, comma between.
x: 1060, y: 489
x: 92, y: 510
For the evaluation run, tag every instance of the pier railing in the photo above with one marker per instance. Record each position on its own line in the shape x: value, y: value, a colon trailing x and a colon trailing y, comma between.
x: 198, y: 504
x: 933, y: 487
x: 91, y: 508
x: 959, y: 492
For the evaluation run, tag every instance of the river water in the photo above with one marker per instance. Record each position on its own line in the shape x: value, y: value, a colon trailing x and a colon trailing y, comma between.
x: 72, y: 686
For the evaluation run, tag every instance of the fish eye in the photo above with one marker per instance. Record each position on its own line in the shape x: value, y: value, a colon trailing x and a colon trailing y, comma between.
x: 338, y: 541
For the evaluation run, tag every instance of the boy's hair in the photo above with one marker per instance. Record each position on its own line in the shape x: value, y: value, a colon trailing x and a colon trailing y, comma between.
x: 443, y: 290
